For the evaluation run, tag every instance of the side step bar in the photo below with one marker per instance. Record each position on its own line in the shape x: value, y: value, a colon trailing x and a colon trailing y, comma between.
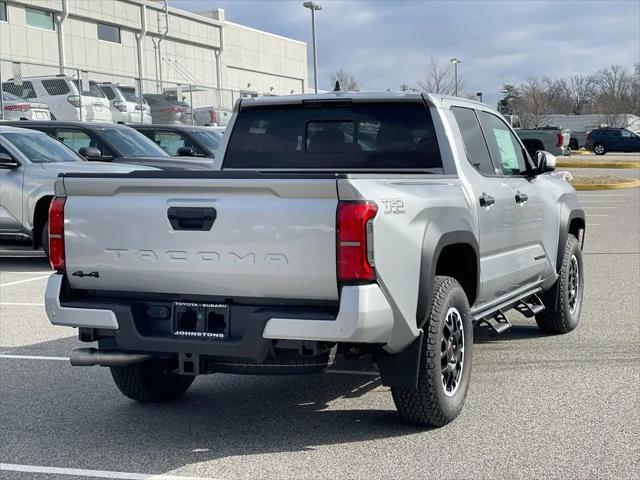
x: 528, y: 304
x: 88, y: 357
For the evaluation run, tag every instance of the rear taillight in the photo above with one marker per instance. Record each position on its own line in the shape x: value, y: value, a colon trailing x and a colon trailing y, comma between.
x: 18, y: 107
x: 74, y: 100
x: 174, y: 109
x: 214, y: 117
x: 56, y: 233
x: 120, y: 106
x: 560, y: 140
x: 355, y: 241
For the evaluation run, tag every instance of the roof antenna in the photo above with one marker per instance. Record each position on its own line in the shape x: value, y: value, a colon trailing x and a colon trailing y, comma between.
x: 337, y: 87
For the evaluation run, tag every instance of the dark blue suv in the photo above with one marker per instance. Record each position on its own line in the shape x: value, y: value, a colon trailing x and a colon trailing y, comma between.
x: 603, y: 140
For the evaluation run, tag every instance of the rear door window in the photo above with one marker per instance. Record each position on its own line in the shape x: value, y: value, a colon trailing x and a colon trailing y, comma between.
x: 326, y: 136
x: 473, y: 139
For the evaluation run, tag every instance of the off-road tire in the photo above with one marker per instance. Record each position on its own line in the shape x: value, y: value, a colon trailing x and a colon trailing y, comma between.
x: 427, y: 404
x: 44, y: 238
x: 150, y: 382
x: 599, y: 149
x: 558, y: 316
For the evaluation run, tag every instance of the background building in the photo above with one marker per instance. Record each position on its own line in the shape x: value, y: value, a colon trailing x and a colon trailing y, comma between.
x: 209, y: 59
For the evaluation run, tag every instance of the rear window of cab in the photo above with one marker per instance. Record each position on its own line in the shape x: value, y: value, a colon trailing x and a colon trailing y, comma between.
x: 321, y: 136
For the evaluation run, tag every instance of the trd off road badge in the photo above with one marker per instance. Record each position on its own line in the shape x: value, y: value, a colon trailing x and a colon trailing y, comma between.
x: 393, y: 206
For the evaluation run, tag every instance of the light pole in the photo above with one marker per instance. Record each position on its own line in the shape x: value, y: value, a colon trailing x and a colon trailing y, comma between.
x: 455, y: 62
x: 313, y: 6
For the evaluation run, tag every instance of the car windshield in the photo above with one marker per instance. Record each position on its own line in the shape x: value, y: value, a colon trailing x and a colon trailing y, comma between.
x: 7, y: 97
x: 130, y: 143
x: 210, y: 139
x: 40, y: 148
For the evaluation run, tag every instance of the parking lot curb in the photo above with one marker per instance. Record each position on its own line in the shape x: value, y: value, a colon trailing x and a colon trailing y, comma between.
x: 607, y: 186
x: 591, y: 164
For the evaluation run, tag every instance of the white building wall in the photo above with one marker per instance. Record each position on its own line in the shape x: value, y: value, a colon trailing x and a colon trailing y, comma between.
x: 252, y: 61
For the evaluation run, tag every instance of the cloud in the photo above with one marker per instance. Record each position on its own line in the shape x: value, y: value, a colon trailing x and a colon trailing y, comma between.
x: 388, y: 43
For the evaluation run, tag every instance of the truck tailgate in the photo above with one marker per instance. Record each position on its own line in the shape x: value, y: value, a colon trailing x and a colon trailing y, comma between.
x: 270, y: 237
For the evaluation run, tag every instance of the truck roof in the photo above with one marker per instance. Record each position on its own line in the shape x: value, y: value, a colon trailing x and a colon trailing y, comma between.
x: 431, y: 98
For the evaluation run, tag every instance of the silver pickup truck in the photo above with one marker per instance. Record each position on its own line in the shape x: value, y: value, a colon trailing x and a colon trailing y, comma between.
x: 376, y: 225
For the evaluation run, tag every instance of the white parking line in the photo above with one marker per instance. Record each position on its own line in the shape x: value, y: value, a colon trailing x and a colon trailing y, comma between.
x: 593, y: 224
x: 34, y: 357
x: 8, y: 284
x: 37, y: 272
x: 602, y: 201
x: 594, y: 215
x: 22, y: 304
x: 81, y: 472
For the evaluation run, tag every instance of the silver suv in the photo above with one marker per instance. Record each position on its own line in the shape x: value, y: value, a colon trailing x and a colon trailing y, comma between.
x: 377, y: 225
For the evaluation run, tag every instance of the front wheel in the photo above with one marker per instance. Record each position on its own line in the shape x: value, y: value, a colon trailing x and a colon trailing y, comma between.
x: 150, y: 382
x: 564, y: 303
x: 445, y: 361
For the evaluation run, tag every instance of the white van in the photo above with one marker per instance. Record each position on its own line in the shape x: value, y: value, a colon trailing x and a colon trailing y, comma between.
x: 125, y: 103
x: 62, y: 94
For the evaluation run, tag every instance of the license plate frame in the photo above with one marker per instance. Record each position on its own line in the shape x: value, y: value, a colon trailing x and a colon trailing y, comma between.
x: 202, y: 321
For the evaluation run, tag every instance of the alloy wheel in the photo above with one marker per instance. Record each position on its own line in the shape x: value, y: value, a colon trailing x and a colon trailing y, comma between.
x: 452, y: 352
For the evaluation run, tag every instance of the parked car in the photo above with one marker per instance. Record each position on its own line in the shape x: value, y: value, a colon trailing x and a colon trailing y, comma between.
x: 166, y: 108
x: 552, y: 139
x: 125, y: 103
x: 603, y: 140
x: 107, y: 142
x: 212, y: 116
x: 62, y: 93
x: 16, y: 108
x: 312, y: 242
x: 183, y: 140
x: 30, y: 162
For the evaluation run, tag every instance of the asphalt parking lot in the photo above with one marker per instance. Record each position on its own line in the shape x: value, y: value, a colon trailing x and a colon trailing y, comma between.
x: 539, y: 406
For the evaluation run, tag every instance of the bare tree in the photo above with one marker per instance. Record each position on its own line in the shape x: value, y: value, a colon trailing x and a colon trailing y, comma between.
x: 579, y: 91
x: 346, y: 80
x: 438, y: 78
x: 614, y: 86
x: 533, y: 102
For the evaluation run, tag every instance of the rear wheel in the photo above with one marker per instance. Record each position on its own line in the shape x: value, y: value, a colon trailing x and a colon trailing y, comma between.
x: 564, y: 303
x: 445, y: 361
x: 150, y: 382
x: 599, y: 149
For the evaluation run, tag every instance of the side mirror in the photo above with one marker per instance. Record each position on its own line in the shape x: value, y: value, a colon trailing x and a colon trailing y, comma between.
x: 90, y: 153
x: 7, y: 161
x: 185, y: 152
x: 544, y: 162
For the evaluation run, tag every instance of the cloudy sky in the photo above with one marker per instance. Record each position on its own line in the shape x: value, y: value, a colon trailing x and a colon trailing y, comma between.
x: 386, y: 43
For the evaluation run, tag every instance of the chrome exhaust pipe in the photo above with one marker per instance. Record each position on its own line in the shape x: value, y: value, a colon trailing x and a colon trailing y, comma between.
x: 88, y: 357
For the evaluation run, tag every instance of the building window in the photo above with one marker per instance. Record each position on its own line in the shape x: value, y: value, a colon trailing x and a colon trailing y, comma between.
x: 108, y: 33
x: 3, y: 12
x: 39, y: 19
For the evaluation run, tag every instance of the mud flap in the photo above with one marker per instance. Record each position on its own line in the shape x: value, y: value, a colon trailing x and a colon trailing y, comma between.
x: 401, y: 370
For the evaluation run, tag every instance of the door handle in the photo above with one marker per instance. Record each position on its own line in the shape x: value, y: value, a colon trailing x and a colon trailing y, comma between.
x: 521, y: 197
x: 486, y: 200
x: 191, y: 218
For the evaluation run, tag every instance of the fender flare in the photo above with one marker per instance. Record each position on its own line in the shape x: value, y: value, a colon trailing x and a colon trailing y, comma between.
x: 437, y: 237
x: 402, y: 369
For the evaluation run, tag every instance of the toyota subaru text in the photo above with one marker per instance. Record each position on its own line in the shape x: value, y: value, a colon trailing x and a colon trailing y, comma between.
x: 378, y: 225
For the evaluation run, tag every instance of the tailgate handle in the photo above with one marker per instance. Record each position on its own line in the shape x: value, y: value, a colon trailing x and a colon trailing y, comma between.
x: 191, y: 218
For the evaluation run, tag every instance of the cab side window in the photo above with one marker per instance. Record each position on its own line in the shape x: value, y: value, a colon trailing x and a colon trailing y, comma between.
x: 504, y: 147
x: 474, y: 142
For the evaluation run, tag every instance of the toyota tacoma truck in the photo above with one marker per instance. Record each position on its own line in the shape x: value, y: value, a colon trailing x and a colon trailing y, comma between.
x: 378, y: 225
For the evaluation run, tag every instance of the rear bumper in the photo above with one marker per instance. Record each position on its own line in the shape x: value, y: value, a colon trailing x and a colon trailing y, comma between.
x: 364, y: 316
